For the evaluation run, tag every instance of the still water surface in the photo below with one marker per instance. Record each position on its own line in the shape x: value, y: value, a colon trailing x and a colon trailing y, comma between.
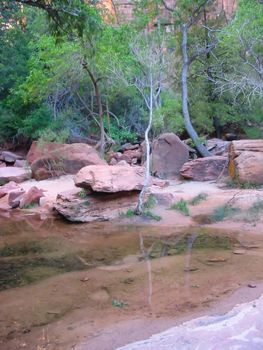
x: 61, y: 284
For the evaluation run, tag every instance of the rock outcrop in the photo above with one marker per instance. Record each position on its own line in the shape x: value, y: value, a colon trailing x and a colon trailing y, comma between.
x: 205, y: 169
x: 94, y: 207
x: 132, y: 154
x: 14, y: 174
x: 110, y: 179
x: 169, y: 154
x: 53, y: 159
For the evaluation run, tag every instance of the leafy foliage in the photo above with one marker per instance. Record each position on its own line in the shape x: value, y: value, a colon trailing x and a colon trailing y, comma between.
x: 181, y: 206
x: 45, y: 92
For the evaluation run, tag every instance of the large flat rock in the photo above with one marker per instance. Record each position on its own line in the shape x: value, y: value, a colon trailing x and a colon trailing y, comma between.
x: 205, y: 169
x: 110, y: 179
x: 93, y: 206
x: 241, y: 328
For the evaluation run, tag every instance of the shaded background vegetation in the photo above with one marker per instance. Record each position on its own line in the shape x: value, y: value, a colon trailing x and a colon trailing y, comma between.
x: 46, y: 93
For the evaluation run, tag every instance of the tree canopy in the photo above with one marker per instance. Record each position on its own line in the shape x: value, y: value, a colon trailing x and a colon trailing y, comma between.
x: 59, y: 61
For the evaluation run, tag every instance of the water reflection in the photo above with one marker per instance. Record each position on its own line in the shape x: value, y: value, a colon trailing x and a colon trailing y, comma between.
x: 146, y: 257
x: 148, y: 272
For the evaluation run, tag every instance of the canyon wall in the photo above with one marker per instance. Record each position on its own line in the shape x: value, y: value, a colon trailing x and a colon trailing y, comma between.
x: 122, y: 10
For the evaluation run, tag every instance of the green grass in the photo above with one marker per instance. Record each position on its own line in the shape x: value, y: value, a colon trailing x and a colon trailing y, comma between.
x: 82, y: 194
x: 181, y: 206
x: 223, y: 212
x: 128, y: 214
x: 30, y: 206
x: 198, y: 199
x: 254, y: 212
x: 245, y: 185
x: 148, y: 214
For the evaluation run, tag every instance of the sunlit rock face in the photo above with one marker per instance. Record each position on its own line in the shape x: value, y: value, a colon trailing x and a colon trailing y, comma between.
x: 228, y: 7
x: 121, y: 11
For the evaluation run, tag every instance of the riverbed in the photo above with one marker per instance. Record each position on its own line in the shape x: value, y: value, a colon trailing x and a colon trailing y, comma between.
x: 104, y: 285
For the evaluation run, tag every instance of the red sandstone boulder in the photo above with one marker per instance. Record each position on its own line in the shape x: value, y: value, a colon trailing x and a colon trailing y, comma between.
x: 246, y: 161
x: 248, y: 167
x: 32, y: 196
x: 169, y: 154
x: 205, y: 169
x: 8, y: 187
x: 55, y: 159
x: 110, y: 179
x: 14, y: 174
x: 94, y: 206
x: 132, y: 154
x: 14, y: 198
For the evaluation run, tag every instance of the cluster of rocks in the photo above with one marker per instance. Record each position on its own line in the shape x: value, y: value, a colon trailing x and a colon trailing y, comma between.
x: 128, y: 153
x: 13, y: 167
x: 17, y: 197
x: 116, y: 185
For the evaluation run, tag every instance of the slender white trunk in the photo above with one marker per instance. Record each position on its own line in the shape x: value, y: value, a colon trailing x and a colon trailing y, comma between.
x: 139, y: 208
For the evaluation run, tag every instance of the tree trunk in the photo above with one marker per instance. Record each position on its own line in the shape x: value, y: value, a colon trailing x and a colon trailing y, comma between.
x: 188, y: 124
x: 139, y: 207
x: 100, y: 108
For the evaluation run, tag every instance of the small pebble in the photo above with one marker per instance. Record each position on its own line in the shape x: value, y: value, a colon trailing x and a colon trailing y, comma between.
x: 85, y: 279
x: 239, y: 251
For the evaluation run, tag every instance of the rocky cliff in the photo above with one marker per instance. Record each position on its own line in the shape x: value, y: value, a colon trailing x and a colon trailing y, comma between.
x: 122, y: 10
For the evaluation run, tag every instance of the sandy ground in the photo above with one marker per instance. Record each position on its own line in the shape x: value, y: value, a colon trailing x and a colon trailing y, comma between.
x: 217, y: 195
x: 51, y: 186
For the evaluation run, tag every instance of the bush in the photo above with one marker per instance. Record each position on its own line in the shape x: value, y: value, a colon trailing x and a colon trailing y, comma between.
x: 181, y: 206
x: 198, y: 199
x: 223, y: 212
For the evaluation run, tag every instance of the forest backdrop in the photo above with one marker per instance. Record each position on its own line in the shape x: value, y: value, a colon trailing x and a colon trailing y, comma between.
x: 69, y: 71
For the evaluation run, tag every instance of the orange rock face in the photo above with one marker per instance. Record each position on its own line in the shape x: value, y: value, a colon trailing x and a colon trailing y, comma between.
x: 120, y: 11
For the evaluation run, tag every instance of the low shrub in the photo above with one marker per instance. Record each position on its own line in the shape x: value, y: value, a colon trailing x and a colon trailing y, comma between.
x: 181, y: 206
